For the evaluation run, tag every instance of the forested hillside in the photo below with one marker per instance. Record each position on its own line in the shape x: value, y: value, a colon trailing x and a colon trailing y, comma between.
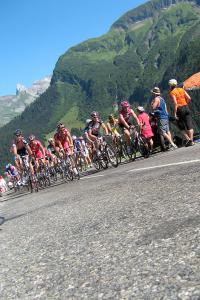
x: 145, y: 47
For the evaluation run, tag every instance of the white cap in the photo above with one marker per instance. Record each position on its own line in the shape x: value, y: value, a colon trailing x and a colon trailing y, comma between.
x: 140, y: 108
x: 173, y: 82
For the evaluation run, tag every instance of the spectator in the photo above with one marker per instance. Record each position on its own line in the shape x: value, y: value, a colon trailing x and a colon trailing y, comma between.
x: 146, y: 129
x: 160, y: 110
x: 180, y: 100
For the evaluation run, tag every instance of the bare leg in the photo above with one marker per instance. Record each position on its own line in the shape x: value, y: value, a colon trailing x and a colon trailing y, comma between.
x: 190, y: 134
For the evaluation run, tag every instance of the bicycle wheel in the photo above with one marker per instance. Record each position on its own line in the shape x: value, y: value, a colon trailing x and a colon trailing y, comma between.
x: 34, y: 183
x: 143, y: 147
x: 130, y: 151
x: 76, y: 174
x: 123, y: 153
x: 53, y: 174
x: 68, y: 173
x: 103, y: 159
x: 96, y: 163
x: 112, y: 155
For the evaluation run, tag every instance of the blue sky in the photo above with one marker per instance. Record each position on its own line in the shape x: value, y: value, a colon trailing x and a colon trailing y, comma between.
x: 34, y: 33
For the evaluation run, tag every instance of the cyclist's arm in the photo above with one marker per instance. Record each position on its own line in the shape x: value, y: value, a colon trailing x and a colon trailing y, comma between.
x: 123, y: 122
x: 29, y: 150
x: 13, y: 150
x: 91, y: 136
x: 58, y: 144
x: 135, y: 116
x: 109, y: 128
x: 88, y: 138
x: 70, y: 140
x: 104, y: 128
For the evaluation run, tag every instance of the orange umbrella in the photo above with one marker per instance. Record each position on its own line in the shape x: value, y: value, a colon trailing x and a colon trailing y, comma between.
x: 193, y: 82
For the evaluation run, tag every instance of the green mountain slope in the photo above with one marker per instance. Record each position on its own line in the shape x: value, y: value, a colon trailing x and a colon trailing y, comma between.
x: 145, y: 47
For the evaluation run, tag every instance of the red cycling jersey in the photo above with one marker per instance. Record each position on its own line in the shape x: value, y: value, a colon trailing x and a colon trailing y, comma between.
x: 62, y: 137
x: 36, y: 149
x: 126, y: 114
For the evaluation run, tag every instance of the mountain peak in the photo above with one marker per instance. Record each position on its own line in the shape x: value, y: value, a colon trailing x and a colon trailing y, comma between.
x: 148, y: 10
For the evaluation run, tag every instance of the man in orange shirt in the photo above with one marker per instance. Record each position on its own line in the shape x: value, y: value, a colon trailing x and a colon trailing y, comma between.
x: 180, y: 100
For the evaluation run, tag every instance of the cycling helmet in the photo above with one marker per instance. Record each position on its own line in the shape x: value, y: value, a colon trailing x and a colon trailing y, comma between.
x: 8, y: 166
x: 50, y: 140
x: 173, y: 82
x: 31, y: 137
x: 88, y: 121
x: 125, y: 104
x: 111, y: 116
x: 60, y: 125
x: 18, y: 132
x: 74, y: 137
x: 140, y: 109
x: 94, y: 114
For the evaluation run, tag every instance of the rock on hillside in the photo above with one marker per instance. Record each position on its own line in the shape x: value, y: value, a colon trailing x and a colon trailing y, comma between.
x: 13, y: 105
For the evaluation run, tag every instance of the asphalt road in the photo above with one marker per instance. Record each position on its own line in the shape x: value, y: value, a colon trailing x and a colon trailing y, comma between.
x: 127, y: 233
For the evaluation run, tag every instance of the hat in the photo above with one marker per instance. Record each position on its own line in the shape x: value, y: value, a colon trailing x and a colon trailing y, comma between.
x: 172, y: 82
x: 140, y: 108
x: 156, y: 90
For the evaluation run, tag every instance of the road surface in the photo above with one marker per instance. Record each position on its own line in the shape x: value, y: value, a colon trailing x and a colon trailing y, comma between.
x: 127, y: 233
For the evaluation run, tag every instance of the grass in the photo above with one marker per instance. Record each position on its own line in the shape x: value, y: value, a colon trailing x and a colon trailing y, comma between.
x: 70, y: 119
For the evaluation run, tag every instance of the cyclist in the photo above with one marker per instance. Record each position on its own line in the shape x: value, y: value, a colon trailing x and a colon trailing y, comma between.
x: 51, y: 152
x: 12, y: 172
x: 180, y: 100
x: 63, y: 140
x: 112, y: 126
x: 38, y: 151
x: 146, y: 130
x: 64, y: 145
x: 94, y: 130
x: 85, y: 152
x: 19, y: 149
x: 95, y: 125
x: 125, y: 114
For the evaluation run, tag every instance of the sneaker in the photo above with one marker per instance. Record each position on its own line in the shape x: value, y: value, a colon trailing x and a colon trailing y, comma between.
x: 174, y: 146
x: 189, y: 143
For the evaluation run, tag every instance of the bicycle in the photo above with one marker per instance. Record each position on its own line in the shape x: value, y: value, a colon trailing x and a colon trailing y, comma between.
x: 31, y: 181
x: 141, y: 143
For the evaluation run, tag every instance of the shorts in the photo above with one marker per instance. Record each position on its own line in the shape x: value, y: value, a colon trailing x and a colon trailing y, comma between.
x: 22, y: 152
x: 184, y: 121
x: 122, y: 127
x: 163, y: 126
x: 38, y: 155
